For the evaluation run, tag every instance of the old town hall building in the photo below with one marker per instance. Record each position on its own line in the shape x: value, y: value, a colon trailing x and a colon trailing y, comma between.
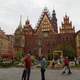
x: 45, y: 37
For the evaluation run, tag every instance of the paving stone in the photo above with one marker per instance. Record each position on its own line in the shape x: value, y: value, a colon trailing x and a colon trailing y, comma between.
x: 15, y: 74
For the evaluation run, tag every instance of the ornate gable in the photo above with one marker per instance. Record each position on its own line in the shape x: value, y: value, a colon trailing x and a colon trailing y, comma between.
x: 67, y: 26
x: 44, y: 24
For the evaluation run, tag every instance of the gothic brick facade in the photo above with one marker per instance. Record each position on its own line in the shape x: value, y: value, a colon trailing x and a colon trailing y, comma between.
x: 45, y: 35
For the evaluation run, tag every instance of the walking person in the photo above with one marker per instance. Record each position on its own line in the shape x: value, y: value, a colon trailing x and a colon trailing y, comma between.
x: 27, y: 67
x: 43, y: 68
x: 66, y: 66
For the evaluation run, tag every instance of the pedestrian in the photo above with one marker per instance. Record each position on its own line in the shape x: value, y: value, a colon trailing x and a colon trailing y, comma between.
x: 66, y: 66
x: 75, y: 60
x: 43, y: 67
x: 53, y: 63
x: 27, y: 67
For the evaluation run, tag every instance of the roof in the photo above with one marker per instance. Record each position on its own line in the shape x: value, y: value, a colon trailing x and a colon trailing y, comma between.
x: 45, y: 12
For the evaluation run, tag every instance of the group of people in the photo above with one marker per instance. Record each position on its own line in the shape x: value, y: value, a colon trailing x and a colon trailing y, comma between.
x: 27, y: 67
x: 43, y: 62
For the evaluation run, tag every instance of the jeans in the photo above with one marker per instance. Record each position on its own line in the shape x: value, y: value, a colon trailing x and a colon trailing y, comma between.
x: 26, y: 73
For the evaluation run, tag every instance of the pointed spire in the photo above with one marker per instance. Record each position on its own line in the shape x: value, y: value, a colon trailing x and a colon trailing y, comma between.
x: 54, y: 20
x: 20, y: 23
x: 19, y: 29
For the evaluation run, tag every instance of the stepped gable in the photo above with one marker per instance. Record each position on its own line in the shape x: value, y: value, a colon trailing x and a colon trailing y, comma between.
x: 67, y: 26
x: 44, y: 13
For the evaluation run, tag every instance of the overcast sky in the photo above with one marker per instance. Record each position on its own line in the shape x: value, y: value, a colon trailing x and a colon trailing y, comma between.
x: 10, y: 11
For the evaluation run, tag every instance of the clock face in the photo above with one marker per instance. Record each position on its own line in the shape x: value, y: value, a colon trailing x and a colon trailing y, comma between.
x: 45, y: 34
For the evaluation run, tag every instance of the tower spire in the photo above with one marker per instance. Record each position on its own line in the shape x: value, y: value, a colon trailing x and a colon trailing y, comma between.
x: 54, y: 21
x: 20, y: 22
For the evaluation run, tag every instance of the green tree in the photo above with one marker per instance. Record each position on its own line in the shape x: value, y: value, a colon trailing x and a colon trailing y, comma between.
x: 50, y: 56
x: 19, y: 55
x: 69, y: 51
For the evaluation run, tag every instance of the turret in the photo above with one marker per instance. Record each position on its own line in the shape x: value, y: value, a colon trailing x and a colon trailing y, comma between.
x: 54, y: 21
x: 19, y: 38
x: 19, y: 29
x: 27, y: 29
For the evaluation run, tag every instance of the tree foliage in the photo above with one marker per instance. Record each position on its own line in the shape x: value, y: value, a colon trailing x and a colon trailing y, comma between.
x: 19, y: 55
x: 69, y: 51
x: 50, y: 56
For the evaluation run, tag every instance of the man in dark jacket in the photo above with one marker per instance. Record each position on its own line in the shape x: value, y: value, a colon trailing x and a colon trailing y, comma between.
x: 27, y: 67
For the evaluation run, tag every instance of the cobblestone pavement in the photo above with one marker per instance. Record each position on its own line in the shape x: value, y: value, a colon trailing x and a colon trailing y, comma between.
x: 15, y: 74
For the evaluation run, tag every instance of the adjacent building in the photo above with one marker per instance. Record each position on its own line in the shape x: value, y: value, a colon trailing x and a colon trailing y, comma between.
x: 6, y: 46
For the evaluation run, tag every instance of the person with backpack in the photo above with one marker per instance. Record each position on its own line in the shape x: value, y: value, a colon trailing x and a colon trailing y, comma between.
x: 66, y: 66
x: 43, y: 63
x: 27, y: 67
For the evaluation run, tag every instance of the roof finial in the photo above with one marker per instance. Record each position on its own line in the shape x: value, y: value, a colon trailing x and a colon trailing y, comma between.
x: 45, y: 9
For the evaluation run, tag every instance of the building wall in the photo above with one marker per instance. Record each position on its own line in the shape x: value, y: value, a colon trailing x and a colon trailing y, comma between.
x: 45, y: 38
x: 6, y: 46
x: 78, y: 43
